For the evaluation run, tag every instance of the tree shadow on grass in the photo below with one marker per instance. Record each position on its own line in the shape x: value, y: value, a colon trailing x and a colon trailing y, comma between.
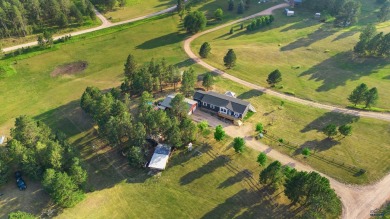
x: 250, y: 94
x: 249, y: 204
x: 234, y: 179
x: 333, y: 117
x: 317, y: 35
x: 386, y: 77
x: 304, y: 23
x: 345, y: 35
x: 317, y: 145
x: 69, y: 119
x: 210, y: 167
x: 343, y: 67
x: 165, y: 40
x: 185, y: 64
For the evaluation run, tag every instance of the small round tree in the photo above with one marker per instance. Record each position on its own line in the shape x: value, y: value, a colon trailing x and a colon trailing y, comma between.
x: 204, y: 50
x: 195, y: 22
x: 306, y: 152
x: 330, y: 130
x: 239, y: 144
x: 345, y: 130
x: 230, y: 58
x: 231, y: 30
x: 274, y: 77
x: 219, y: 133
x: 262, y: 159
x: 218, y: 14
x: 259, y: 127
x: 208, y: 81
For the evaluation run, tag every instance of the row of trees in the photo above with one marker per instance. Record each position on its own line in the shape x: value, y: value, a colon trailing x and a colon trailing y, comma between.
x: 20, y: 18
x: 332, y: 130
x: 155, y: 76
x: 47, y: 156
x: 109, y: 5
x: 260, y: 22
x: 241, y: 7
x: 345, y: 11
x: 308, y: 189
x: 362, y: 95
x: 372, y: 43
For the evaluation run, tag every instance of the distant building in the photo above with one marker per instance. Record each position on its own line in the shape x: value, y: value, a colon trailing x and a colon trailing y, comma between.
x: 160, y: 157
x: 225, y: 106
x: 166, y: 104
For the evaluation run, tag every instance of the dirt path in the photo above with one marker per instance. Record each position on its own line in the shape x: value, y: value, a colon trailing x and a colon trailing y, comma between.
x: 105, y: 24
x: 357, y: 200
x: 191, y: 54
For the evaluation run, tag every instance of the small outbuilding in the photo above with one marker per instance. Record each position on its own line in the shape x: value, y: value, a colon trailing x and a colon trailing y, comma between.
x: 230, y: 94
x: 317, y: 15
x: 290, y: 13
x: 166, y: 104
x: 160, y: 157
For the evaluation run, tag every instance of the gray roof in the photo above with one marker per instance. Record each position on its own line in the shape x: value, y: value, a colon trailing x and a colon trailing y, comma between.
x: 220, y: 100
x: 168, y: 99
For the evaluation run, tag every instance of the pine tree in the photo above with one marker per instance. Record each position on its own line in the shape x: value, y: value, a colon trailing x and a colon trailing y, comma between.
x: 371, y: 97
x: 204, y: 50
x: 358, y: 94
x: 231, y: 5
x: 240, y: 7
x: 230, y: 58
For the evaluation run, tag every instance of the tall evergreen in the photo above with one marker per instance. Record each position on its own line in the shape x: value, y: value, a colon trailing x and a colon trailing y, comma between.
x: 230, y: 58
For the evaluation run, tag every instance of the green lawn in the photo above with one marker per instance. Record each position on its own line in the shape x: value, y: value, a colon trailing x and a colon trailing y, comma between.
x: 315, y: 59
x: 367, y: 148
x: 192, y: 186
x: 137, y: 8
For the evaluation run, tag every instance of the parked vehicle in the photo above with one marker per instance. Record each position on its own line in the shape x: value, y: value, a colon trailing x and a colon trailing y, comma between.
x: 19, y: 181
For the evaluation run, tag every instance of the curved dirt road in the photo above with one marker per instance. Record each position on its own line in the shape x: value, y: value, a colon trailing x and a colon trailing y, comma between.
x: 191, y: 54
x: 357, y: 201
x: 105, y: 24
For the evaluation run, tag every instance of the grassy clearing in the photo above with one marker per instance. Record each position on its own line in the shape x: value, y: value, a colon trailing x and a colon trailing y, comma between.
x: 367, y: 148
x: 137, y: 8
x: 315, y: 59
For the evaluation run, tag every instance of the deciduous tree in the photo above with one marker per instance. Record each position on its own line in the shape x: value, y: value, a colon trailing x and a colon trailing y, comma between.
x: 330, y: 130
x: 371, y: 97
x: 262, y: 159
x: 345, y: 130
x: 195, y: 22
x: 358, y: 94
x: 239, y: 144
x: 219, y: 133
x: 218, y: 14
x: 274, y: 77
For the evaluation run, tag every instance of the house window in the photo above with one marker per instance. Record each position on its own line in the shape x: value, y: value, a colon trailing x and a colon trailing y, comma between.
x: 212, y: 106
x: 204, y: 104
x: 223, y: 110
x: 237, y: 115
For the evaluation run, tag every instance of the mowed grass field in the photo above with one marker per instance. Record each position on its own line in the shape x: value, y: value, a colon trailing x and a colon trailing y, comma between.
x: 368, y: 147
x: 137, y: 8
x: 316, y: 59
x: 28, y: 88
x: 210, y: 184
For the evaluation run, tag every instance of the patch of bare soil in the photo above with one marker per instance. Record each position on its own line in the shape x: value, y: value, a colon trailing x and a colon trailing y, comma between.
x: 69, y: 68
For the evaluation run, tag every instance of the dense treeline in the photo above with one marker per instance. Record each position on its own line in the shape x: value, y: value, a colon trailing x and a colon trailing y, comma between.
x: 47, y: 156
x: 372, y: 43
x: 19, y: 18
x: 155, y: 76
x: 108, y: 5
x: 309, y: 190
x: 111, y: 110
x: 345, y: 11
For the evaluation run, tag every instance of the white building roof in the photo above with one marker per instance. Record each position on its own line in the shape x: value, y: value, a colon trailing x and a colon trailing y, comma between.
x: 160, y: 157
x: 230, y: 93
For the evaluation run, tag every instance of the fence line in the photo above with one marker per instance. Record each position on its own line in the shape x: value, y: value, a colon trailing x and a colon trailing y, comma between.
x: 324, y: 158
